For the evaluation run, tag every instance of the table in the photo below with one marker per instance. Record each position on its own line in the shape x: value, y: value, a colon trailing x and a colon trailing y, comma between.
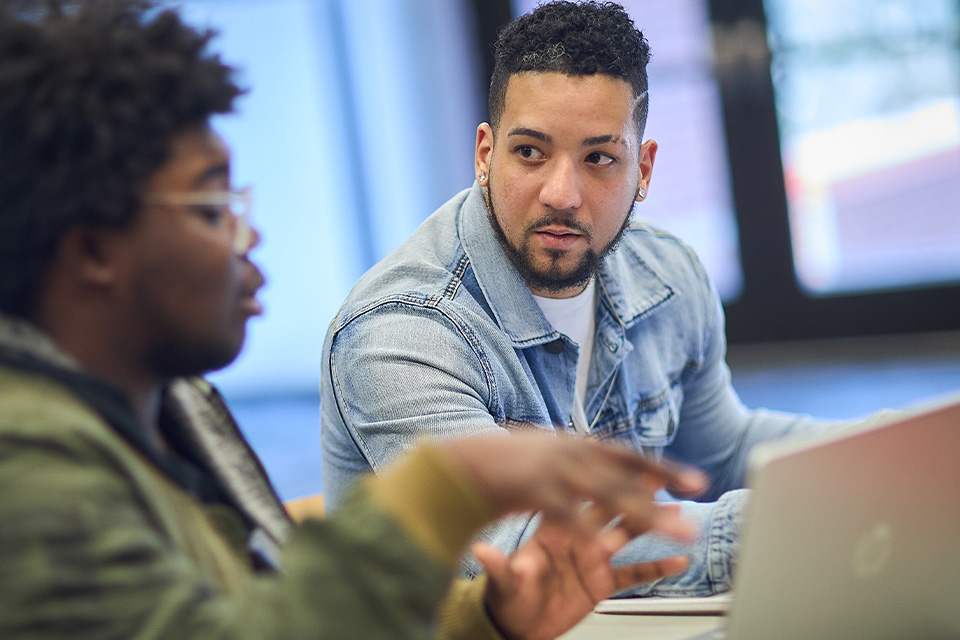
x: 606, y: 626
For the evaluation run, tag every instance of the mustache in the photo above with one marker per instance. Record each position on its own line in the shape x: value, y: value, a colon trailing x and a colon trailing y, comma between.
x: 568, y: 220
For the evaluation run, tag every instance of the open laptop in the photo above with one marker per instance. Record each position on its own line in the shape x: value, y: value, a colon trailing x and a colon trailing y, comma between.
x: 853, y: 536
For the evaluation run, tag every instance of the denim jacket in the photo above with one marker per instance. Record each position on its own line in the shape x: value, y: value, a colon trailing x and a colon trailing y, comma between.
x: 443, y: 338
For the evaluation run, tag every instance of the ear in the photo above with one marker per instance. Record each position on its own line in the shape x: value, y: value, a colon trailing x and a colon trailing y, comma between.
x: 648, y: 153
x: 91, y: 256
x: 484, y: 150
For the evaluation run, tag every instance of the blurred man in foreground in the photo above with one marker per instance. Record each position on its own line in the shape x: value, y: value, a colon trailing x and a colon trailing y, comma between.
x: 131, y: 505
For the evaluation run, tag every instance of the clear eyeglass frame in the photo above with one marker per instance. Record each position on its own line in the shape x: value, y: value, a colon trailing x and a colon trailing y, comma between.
x: 238, y: 203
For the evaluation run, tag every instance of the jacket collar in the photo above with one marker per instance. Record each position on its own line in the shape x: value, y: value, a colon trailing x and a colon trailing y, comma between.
x: 217, y: 465
x: 26, y: 348
x: 630, y: 287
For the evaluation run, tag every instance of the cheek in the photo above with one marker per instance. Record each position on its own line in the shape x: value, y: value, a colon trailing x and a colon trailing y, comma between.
x: 205, y: 282
x: 516, y: 201
x: 613, y: 209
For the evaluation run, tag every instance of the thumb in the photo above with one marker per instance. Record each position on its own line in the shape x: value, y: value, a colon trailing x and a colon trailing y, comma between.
x: 497, y: 567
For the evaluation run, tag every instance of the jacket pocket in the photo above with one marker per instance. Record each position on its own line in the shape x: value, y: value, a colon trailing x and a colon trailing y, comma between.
x: 656, y: 418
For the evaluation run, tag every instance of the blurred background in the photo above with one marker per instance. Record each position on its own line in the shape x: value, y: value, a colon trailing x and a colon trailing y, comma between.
x: 809, y: 152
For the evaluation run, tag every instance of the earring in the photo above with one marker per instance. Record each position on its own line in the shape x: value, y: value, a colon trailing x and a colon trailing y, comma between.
x: 641, y: 193
x: 482, y: 177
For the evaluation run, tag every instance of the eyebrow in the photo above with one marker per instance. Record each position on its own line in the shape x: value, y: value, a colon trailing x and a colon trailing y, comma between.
x: 598, y: 140
x: 587, y: 142
x: 530, y: 133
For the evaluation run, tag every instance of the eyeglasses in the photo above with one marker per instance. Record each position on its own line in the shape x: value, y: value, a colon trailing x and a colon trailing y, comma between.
x: 236, y: 202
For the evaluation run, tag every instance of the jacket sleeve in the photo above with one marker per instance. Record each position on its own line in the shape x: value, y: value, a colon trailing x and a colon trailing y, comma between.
x: 716, y: 431
x: 419, y: 376
x: 393, y: 376
x: 86, y: 551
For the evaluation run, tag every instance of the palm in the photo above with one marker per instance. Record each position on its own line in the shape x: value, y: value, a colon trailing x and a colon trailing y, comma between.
x: 556, y: 578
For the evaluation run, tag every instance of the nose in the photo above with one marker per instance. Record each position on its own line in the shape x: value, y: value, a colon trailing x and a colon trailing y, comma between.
x: 246, y: 238
x: 562, y: 187
x: 254, y: 241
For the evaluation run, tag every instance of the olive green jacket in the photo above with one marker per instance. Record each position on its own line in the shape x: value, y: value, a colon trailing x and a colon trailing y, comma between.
x: 101, y: 536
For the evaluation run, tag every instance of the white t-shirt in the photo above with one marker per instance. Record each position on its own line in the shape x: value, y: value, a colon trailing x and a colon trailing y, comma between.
x: 576, y: 318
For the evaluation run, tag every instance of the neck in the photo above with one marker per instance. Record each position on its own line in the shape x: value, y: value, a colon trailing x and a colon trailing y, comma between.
x: 104, y: 352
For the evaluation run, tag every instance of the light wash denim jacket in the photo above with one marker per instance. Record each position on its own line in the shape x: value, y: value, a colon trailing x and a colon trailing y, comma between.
x: 442, y: 339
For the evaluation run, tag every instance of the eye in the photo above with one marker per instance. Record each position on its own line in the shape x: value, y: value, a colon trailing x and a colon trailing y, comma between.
x: 528, y: 152
x: 600, y: 159
x: 212, y: 215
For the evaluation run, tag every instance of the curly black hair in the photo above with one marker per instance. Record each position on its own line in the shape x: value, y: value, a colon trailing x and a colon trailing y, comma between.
x: 91, y: 94
x: 574, y: 38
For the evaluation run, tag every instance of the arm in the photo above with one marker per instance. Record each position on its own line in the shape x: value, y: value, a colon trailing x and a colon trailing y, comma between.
x: 550, y: 583
x: 395, y: 375
x: 716, y: 431
x: 97, y: 541
x: 94, y: 548
x: 544, y: 588
x: 402, y: 373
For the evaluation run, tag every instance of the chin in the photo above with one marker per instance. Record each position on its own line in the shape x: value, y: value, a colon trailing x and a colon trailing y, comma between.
x: 201, y: 359
x: 223, y: 356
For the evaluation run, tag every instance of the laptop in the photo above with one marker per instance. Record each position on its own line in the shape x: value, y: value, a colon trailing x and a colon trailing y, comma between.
x: 854, y: 535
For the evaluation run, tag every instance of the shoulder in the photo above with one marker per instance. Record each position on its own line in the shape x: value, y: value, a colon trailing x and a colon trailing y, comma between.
x: 654, y: 263
x: 34, y: 407
x: 59, y: 453
x: 418, y: 270
x: 654, y: 274
x: 661, y: 250
x: 429, y: 275
x: 51, y: 435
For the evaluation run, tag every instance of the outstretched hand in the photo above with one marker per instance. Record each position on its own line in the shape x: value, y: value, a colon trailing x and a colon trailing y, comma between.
x: 557, y: 577
x: 558, y: 475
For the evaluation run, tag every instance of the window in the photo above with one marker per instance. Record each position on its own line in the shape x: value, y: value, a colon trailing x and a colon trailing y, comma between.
x: 868, y: 103
x: 355, y: 128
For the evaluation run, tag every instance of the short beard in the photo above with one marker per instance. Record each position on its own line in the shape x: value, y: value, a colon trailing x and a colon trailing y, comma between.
x: 174, y: 359
x: 553, y: 280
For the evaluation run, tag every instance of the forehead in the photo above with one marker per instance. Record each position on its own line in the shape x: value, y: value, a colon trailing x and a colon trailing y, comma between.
x: 554, y: 102
x: 198, y: 155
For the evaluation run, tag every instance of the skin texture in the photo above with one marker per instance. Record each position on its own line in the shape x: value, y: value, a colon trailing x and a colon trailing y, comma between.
x: 164, y: 296
x: 188, y: 289
x: 556, y: 475
x: 562, y: 173
x: 551, y: 582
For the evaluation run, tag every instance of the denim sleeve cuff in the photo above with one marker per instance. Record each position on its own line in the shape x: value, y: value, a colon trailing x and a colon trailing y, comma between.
x: 723, y: 542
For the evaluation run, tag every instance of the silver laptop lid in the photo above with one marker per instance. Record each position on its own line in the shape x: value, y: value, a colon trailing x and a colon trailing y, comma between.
x: 854, y: 536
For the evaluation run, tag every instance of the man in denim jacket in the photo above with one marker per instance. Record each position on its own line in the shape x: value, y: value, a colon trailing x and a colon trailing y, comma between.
x: 533, y: 300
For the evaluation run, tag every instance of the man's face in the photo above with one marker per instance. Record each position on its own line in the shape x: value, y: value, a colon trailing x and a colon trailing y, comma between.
x: 564, y: 169
x: 189, y: 293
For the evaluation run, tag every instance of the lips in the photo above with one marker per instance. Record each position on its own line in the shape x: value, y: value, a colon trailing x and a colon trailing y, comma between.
x: 252, y: 283
x: 558, y: 237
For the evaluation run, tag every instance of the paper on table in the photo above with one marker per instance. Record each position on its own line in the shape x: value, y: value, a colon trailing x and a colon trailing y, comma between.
x: 704, y: 606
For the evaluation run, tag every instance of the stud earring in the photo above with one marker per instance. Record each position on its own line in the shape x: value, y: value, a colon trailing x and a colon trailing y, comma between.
x: 642, y: 193
x: 482, y: 178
